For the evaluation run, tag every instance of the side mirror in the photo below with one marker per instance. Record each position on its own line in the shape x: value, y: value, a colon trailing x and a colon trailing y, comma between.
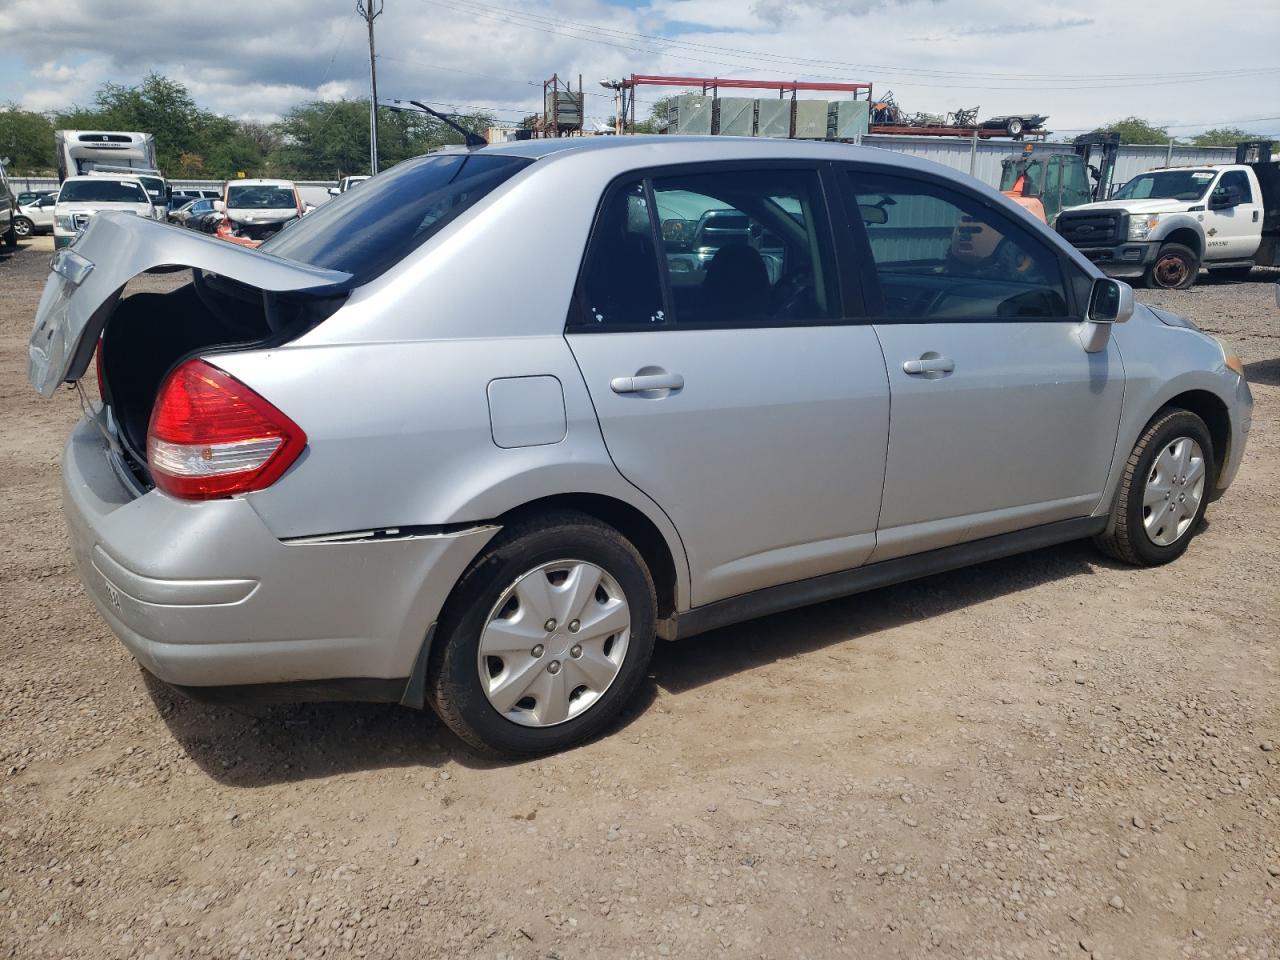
x: 219, y: 207
x: 1111, y: 301
x: 334, y: 191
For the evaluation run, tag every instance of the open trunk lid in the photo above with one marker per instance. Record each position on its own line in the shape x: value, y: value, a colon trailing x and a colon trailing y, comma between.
x: 88, y: 277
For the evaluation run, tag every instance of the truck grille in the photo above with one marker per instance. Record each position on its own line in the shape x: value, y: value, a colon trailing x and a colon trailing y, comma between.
x: 1102, y: 228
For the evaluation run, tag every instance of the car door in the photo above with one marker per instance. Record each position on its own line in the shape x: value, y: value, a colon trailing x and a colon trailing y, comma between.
x: 1233, y: 233
x: 729, y: 385
x: 1000, y: 418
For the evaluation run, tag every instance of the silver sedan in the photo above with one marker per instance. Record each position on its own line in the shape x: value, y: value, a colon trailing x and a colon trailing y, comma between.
x: 478, y: 433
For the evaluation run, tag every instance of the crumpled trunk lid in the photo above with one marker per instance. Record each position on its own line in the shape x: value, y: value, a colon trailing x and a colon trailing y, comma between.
x: 88, y: 277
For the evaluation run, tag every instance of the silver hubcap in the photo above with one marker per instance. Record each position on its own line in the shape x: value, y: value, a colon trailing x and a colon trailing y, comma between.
x: 553, y: 643
x: 1173, y: 493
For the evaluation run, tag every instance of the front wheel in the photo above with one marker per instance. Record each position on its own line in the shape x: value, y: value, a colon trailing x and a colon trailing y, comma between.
x: 23, y: 228
x: 1163, y: 492
x: 546, y: 637
x: 1014, y: 127
x: 1175, y: 268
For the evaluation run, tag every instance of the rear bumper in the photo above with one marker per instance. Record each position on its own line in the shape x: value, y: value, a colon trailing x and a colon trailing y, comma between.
x: 1124, y: 259
x: 203, y: 595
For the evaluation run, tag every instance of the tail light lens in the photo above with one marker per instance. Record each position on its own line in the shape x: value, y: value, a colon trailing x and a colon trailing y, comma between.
x: 211, y: 436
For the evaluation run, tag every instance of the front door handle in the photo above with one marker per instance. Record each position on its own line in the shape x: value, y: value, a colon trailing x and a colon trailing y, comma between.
x: 927, y: 364
x: 645, y: 382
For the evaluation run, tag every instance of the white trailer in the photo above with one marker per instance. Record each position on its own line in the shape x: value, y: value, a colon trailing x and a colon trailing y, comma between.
x: 113, y: 152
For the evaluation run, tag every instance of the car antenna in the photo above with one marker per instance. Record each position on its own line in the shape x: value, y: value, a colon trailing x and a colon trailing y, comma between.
x: 470, y: 138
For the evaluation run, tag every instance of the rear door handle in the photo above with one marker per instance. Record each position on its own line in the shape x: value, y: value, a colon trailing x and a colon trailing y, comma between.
x: 929, y: 365
x: 652, y: 381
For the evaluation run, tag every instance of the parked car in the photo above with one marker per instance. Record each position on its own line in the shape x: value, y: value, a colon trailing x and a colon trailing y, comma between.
x: 191, y: 210
x: 346, y: 473
x: 81, y: 198
x: 197, y: 193
x: 36, y: 216
x: 8, y: 212
x: 254, y: 210
x: 345, y: 184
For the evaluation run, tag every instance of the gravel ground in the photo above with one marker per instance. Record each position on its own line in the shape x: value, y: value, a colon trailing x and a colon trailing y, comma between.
x: 1046, y: 756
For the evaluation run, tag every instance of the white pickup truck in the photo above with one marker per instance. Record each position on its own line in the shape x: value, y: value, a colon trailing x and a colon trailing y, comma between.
x: 1164, y: 225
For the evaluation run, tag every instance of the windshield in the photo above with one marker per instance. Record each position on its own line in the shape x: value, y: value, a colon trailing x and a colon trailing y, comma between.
x: 364, y: 232
x: 1166, y: 185
x: 260, y: 198
x: 102, y: 190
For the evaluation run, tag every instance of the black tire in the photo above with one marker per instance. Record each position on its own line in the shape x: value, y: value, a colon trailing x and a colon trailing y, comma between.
x: 11, y: 236
x: 453, y: 680
x: 1174, y: 268
x: 1231, y: 273
x: 23, y: 228
x: 1127, y: 539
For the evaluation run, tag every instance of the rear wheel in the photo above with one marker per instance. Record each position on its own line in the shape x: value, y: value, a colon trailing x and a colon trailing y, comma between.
x: 546, y: 638
x: 1163, y: 491
x: 23, y: 227
x: 1014, y: 127
x: 1175, y: 268
x: 11, y: 235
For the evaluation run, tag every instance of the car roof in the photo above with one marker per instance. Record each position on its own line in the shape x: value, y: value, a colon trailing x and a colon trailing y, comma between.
x: 634, y: 152
x: 260, y: 183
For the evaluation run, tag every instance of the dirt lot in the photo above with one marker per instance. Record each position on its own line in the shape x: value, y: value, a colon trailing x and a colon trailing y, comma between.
x: 1047, y: 756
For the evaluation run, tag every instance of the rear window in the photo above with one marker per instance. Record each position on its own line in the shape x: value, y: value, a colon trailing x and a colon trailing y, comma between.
x: 261, y: 197
x: 364, y: 232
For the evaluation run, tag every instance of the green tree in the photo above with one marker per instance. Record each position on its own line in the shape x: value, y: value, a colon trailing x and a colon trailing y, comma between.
x: 26, y: 138
x: 1224, y: 137
x: 329, y: 139
x: 1136, y: 130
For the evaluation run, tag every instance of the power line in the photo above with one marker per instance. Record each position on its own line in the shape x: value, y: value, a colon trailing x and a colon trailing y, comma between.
x: 562, y: 27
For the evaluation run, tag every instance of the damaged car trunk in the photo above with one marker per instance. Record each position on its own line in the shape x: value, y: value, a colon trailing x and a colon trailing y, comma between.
x: 238, y: 298
x: 141, y: 343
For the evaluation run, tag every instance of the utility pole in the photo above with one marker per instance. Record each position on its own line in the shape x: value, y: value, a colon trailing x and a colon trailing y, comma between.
x: 370, y: 9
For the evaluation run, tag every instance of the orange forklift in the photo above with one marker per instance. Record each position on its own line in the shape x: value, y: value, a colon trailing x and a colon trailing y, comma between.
x: 1047, y: 183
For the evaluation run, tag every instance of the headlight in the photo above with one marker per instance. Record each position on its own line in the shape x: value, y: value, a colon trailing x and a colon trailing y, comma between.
x: 63, y: 221
x: 1230, y: 358
x: 1141, y: 225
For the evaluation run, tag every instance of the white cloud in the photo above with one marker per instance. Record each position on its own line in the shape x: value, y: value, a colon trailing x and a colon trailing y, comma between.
x: 247, y: 58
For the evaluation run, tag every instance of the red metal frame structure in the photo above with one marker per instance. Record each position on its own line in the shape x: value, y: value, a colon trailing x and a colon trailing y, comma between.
x: 715, y: 83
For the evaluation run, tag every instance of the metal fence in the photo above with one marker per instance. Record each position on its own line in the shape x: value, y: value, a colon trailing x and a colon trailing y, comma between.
x: 981, y: 158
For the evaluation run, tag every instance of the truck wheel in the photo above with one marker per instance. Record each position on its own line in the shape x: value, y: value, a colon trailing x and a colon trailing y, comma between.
x: 1163, y: 492
x: 1014, y: 127
x: 546, y: 637
x: 11, y: 236
x: 23, y: 227
x: 1175, y: 268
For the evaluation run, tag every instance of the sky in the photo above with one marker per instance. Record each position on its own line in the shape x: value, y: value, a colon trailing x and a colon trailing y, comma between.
x: 1181, y: 63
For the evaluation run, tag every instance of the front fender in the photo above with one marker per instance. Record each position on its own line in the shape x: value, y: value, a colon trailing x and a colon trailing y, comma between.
x: 1172, y: 223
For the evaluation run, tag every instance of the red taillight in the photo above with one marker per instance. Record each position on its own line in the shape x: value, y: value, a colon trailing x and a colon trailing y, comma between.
x: 211, y: 436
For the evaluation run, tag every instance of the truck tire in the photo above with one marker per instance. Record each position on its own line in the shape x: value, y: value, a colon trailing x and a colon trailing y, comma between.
x: 1174, y: 268
x: 11, y: 236
x: 1014, y: 126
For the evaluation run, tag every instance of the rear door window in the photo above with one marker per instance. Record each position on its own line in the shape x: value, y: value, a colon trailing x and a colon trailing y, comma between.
x: 723, y: 249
